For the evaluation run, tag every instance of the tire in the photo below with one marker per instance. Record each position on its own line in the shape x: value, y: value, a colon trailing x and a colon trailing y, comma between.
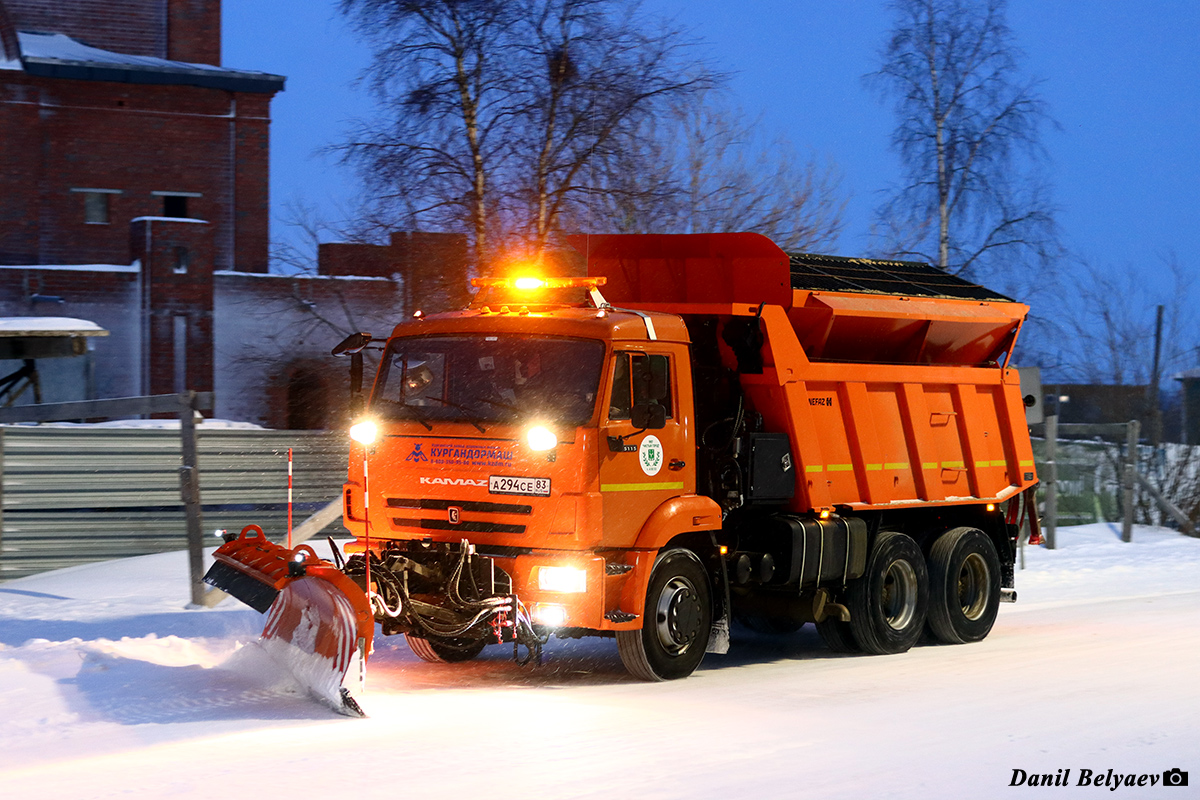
x: 444, y: 651
x: 964, y: 586
x: 837, y: 636
x: 888, y: 603
x: 676, y: 621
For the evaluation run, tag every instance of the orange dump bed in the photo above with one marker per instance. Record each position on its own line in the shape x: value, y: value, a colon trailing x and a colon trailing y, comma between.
x: 890, y: 378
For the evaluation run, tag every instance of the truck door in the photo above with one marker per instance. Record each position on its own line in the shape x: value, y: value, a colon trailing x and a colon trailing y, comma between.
x: 639, y: 470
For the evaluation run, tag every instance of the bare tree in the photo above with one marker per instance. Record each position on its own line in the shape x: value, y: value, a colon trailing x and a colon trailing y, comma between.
x: 968, y: 135
x: 705, y: 167
x: 491, y: 113
x: 1111, y: 319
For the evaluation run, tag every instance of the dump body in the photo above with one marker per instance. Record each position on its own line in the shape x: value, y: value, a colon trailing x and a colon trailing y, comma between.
x: 889, y: 399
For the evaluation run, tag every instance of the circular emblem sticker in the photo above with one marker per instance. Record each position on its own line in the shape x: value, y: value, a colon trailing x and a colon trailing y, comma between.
x: 650, y: 455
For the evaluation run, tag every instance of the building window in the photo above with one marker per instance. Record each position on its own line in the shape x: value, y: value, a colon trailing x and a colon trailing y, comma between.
x: 175, y: 204
x: 96, y: 205
x: 183, y: 257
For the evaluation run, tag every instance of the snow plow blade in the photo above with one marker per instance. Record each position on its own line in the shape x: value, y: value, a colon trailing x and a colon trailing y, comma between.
x: 319, y: 622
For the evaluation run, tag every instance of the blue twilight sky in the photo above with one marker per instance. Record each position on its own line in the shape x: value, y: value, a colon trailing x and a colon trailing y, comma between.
x: 1122, y: 79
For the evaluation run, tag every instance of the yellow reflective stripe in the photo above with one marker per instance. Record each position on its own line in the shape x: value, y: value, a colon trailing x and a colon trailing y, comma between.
x: 952, y: 465
x: 929, y: 465
x: 814, y: 468
x: 638, y: 487
x: 1025, y: 463
x: 874, y: 467
x: 896, y: 465
x: 840, y: 467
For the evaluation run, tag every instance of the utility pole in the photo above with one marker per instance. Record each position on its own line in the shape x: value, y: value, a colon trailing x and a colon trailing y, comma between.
x: 1155, y: 413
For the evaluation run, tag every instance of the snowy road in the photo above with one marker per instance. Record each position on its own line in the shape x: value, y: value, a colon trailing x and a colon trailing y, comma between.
x: 109, y: 688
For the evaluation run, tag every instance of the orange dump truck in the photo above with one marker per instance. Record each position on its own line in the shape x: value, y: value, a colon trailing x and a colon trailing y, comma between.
x: 704, y: 429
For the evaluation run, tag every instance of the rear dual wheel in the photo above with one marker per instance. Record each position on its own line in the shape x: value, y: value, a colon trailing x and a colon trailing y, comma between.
x: 964, y: 582
x: 889, y: 602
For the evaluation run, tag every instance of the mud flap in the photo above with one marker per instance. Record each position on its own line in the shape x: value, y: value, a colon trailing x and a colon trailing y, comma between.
x: 718, y: 636
x: 319, y: 622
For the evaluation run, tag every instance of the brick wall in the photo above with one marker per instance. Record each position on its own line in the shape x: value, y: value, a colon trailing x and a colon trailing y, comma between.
x: 138, y: 27
x: 176, y: 258
x: 433, y: 264
x: 272, y: 337
x: 194, y: 31
x: 61, y: 135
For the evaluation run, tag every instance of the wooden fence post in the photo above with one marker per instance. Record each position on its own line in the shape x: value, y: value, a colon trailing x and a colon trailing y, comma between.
x: 1127, y: 480
x: 189, y: 487
x: 1051, y: 525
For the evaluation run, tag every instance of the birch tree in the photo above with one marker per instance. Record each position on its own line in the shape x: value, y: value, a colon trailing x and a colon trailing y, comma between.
x: 492, y: 113
x: 972, y: 200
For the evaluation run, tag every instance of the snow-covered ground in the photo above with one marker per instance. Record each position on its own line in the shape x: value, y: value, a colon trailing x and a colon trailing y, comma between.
x: 111, y: 687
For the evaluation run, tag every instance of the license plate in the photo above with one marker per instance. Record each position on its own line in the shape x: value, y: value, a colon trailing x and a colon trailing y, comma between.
x: 503, y: 484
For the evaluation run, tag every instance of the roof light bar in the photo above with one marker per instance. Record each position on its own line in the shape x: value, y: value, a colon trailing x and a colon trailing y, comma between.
x: 530, y: 283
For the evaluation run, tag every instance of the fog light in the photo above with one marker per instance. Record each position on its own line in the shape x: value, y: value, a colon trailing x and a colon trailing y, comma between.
x: 541, y: 438
x: 552, y: 616
x: 363, y: 432
x: 562, y: 579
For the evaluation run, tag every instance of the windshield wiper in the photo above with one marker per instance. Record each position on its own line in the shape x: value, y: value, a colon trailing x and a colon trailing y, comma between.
x: 414, y: 415
x: 452, y: 404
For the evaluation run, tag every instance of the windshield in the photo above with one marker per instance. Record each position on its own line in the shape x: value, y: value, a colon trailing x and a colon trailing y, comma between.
x: 489, y: 378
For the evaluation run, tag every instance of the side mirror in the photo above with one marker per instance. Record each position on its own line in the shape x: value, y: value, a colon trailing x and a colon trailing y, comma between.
x: 648, y: 416
x: 354, y: 343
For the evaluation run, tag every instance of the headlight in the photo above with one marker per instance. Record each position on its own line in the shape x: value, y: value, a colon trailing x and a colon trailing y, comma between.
x: 562, y: 579
x: 363, y: 432
x: 541, y: 438
x: 547, y: 614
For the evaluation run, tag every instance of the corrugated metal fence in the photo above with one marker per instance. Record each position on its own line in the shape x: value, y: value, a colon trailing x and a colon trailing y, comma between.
x: 76, y: 495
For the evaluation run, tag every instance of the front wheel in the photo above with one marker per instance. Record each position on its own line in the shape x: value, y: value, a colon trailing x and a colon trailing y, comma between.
x: 889, y: 602
x: 676, y: 620
x: 964, y: 584
x: 444, y: 651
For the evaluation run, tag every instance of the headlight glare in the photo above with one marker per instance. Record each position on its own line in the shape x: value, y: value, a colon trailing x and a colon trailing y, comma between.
x: 562, y: 579
x: 363, y: 432
x: 548, y: 614
x: 541, y: 438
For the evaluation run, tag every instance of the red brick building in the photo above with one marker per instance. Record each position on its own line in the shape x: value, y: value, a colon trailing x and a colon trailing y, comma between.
x: 112, y: 110
x: 133, y: 193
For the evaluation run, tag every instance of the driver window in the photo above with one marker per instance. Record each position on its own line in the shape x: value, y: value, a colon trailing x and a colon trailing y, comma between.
x: 639, y: 378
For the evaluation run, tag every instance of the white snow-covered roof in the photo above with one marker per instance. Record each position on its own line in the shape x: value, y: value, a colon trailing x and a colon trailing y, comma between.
x: 78, y: 267
x: 1187, y: 375
x: 229, y: 273
x: 169, y: 219
x: 58, y: 55
x: 49, y: 326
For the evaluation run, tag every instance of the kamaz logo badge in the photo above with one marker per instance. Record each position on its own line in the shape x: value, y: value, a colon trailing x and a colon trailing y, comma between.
x: 454, y: 513
x: 450, y: 482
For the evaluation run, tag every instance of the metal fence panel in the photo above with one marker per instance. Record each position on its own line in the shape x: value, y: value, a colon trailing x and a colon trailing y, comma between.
x: 77, y: 495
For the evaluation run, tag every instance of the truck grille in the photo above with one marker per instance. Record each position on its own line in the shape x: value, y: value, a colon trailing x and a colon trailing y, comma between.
x: 443, y: 523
